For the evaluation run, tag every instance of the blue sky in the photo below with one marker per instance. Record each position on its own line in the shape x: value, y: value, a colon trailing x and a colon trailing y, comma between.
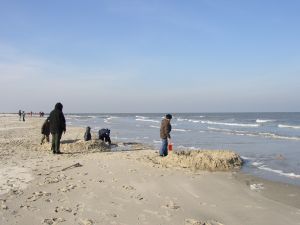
x: 150, y: 56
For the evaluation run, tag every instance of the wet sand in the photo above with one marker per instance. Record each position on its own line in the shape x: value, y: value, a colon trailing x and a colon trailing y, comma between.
x: 88, y: 186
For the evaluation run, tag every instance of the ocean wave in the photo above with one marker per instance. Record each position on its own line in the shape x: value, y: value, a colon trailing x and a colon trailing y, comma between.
x: 263, y: 121
x: 280, y: 172
x: 181, y: 130
x: 108, y: 119
x: 230, y: 124
x: 275, y: 136
x: 253, y: 134
x: 288, y: 126
x: 155, y: 126
x: 194, y: 121
x: 179, y: 119
x: 147, y: 120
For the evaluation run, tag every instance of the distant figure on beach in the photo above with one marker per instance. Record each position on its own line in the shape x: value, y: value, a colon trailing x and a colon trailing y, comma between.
x: 57, y: 127
x: 87, y: 134
x: 23, y: 115
x: 20, y: 115
x: 165, y: 130
x: 45, y: 131
x: 104, y: 135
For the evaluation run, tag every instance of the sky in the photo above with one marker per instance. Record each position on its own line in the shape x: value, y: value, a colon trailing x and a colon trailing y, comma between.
x: 126, y: 56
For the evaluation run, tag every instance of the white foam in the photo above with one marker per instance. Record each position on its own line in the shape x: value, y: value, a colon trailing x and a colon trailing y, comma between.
x: 147, y: 120
x: 180, y: 130
x: 179, y: 119
x: 194, y: 121
x: 257, y: 164
x: 263, y: 121
x: 230, y: 124
x: 155, y: 126
x: 256, y: 187
x: 288, y: 126
x: 261, y: 134
x: 280, y: 172
x: 275, y: 136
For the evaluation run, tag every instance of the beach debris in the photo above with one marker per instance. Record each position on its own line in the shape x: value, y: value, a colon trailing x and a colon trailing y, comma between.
x: 256, y: 187
x: 72, y: 166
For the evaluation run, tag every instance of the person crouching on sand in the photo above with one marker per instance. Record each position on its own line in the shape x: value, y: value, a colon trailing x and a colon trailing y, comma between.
x: 57, y: 127
x: 165, y: 130
x: 45, y: 131
x: 87, y: 134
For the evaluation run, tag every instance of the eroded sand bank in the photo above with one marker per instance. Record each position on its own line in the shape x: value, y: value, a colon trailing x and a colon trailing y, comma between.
x: 90, y: 186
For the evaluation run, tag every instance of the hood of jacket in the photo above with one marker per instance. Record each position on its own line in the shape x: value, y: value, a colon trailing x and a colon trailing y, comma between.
x: 59, y: 106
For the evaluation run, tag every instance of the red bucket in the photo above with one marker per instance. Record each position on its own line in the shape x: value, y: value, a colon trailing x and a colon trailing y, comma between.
x: 170, y: 146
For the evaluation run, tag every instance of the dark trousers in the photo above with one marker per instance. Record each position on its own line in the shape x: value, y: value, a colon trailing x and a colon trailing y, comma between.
x: 56, y: 142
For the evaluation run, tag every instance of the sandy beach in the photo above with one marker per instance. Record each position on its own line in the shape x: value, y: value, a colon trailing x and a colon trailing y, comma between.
x: 93, y: 184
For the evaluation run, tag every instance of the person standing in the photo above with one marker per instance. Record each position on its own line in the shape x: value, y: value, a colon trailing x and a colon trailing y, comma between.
x: 23, y: 115
x: 57, y: 127
x: 20, y: 115
x: 165, y: 130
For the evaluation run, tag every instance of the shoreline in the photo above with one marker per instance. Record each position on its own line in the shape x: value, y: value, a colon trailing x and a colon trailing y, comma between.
x: 124, y: 188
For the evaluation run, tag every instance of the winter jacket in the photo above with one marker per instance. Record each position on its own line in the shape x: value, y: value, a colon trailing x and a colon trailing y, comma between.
x: 87, y: 135
x: 57, y: 120
x: 103, y: 133
x: 165, y: 129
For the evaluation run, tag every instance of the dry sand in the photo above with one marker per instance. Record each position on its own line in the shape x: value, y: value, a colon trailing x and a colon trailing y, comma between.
x: 89, y: 184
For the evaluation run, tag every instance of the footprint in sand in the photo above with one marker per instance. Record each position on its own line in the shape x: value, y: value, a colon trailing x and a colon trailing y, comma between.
x: 63, y: 209
x: 171, y: 205
x: 68, y: 188
x: 196, y: 222
x: 4, y: 207
x: 128, y: 188
x: 86, y: 222
x: 53, y: 221
x: 29, y: 207
x: 37, y: 195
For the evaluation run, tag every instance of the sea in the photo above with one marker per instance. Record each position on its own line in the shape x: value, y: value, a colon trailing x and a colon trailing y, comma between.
x: 269, y: 143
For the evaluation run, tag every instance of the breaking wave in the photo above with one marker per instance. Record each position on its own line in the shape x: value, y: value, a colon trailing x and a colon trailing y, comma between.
x: 288, y: 126
x: 260, y: 166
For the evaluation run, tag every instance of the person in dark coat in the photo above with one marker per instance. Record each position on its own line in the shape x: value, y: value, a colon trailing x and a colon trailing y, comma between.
x: 45, y: 130
x: 165, y: 130
x: 87, y: 134
x: 23, y: 115
x: 104, y: 135
x: 20, y: 115
x: 57, y: 127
